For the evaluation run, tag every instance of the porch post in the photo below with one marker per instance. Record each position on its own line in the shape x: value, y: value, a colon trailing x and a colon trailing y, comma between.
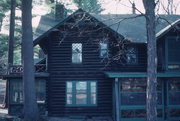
x: 117, y: 99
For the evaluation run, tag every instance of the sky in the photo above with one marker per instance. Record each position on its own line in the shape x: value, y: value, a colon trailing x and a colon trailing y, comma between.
x: 110, y: 6
x: 125, y: 7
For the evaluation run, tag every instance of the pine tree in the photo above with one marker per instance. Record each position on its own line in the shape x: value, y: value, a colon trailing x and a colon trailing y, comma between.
x: 30, y: 105
x: 91, y: 6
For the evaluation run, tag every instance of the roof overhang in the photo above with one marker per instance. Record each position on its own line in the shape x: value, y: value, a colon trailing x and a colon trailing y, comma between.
x: 168, y: 28
x: 140, y: 74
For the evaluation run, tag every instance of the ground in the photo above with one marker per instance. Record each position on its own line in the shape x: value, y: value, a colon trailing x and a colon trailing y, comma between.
x: 2, y: 90
x: 5, y: 117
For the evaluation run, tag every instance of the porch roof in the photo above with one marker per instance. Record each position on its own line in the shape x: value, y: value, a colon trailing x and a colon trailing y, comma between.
x: 140, y: 74
x: 20, y: 75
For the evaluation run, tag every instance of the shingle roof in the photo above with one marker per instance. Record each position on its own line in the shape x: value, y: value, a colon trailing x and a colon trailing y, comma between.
x: 128, y: 25
x: 46, y: 22
x: 133, y: 27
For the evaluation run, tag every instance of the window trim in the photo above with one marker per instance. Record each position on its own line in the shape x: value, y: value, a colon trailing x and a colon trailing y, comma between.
x: 88, y: 93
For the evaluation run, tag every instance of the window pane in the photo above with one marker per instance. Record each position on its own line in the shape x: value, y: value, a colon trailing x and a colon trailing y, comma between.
x: 173, y: 50
x: 93, y: 87
x: 93, y: 98
x: 93, y: 93
x: 69, y: 87
x: 81, y: 90
x: 77, y: 53
x: 103, y: 50
x: 81, y: 99
x: 159, y: 101
x: 174, y: 98
x: 133, y: 98
x: 174, y: 112
x: 17, y: 93
x: 159, y: 85
x: 69, y: 98
x: 103, y: 46
x: 133, y: 84
x: 40, y: 91
x: 159, y: 112
x: 137, y: 113
x: 174, y: 85
x: 131, y: 55
x: 173, y: 66
x: 81, y: 87
x: 127, y: 114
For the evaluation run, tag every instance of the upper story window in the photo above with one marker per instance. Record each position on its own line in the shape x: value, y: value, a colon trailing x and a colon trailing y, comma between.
x: 103, y: 50
x: 131, y: 55
x: 172, y: 53
x: 76, y: 53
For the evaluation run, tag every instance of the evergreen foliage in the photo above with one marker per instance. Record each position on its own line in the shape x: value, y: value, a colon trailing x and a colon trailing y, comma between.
x: 91, y: 6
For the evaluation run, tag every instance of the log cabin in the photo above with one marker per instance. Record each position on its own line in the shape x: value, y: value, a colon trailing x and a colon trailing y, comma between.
x: 95, y: 66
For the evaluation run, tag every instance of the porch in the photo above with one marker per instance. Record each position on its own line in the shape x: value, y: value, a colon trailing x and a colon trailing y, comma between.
x: 129, y: 91
x: 14, y: 83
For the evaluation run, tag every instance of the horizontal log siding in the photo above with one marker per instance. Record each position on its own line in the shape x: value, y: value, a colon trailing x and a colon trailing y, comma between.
x: 139, y: 67
x: 62, y: 70
x: 92, y: 68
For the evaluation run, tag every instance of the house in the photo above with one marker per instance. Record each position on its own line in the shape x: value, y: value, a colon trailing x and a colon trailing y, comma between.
x: 95, y: 66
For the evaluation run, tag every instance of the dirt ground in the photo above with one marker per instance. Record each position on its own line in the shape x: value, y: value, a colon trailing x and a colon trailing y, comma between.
x: 2, y: 90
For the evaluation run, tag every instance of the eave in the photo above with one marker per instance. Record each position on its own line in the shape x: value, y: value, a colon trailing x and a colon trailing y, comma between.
x: 140, y: 74
x: 20, y: 75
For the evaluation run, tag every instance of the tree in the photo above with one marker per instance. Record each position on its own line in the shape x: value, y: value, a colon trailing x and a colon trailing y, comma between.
x: 170, y: 7
x: 30, y: 105
x: 91, y: 6
x: 4, y: 7
x: 11, y: 33
x: 10, y: 45
x: 151, y: 97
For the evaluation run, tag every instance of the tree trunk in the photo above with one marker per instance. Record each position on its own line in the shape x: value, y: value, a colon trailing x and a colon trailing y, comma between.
x: 151, y: 97
x: 10, y: 47
x: 30, y: 104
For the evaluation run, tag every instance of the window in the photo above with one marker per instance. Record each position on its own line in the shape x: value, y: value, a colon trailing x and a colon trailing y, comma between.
x: 173, y: 98
x: 81, y: 93
x: 133, y: 98
x: 103, y: 50
x: 131, y: 55
x: 76, y: 53
x: 173, y: 49
x: 16, y: 91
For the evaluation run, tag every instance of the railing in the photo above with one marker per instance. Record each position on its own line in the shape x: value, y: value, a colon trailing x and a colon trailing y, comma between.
x: 19, y: 68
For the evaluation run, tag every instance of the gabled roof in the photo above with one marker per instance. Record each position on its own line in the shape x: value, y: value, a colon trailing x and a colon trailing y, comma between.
x: 131, y: 26
x: 42, y: 27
